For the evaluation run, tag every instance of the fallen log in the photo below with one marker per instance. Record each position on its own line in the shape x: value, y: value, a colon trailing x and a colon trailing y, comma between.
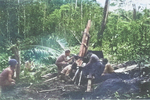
x: 128, y: 68
x: 59, y: 88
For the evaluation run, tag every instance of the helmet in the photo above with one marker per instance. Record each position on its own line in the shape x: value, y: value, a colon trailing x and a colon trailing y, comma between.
x: 12, y: 62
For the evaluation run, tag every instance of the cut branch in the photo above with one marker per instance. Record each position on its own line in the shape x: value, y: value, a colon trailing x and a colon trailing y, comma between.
x: 48, y: 90
x: 51, y: 79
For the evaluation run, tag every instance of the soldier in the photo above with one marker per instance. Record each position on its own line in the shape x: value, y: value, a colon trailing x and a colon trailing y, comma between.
x: 108, y: 69
x: 28, y: 65
x: 62, y: 61
x: 6, y: 77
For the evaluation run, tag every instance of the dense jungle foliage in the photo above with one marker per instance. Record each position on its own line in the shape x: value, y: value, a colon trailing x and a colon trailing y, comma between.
x: 42, y: 29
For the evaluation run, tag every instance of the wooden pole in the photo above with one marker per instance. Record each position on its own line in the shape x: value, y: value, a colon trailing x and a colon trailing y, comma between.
x: 89, y: 84
x: 83, y: 48
x: 84, y: 44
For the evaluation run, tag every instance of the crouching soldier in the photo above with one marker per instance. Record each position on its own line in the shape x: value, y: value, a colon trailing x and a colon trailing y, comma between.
x: 108, y: 69
x: 69, y: 69
x: 62, y: 61
x: 6, y: 77
x: 68, y: 72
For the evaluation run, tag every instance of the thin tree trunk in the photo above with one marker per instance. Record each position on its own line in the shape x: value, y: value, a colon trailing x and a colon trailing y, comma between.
x: 44, y: 17
x: 18, y: 9
x: 16, y: 52
x: 7, y: 24
x: 18, y: 65
x: 134, y: 11
x: 81, y: 16
x: 24, y: 12
x: 76, y: 4
x: 103, y: 24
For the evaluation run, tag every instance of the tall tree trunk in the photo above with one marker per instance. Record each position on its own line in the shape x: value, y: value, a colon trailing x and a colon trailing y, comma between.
x: 134, y: 11
x: 18, y: 10
x: 16, y: 52
x: 103, y: 24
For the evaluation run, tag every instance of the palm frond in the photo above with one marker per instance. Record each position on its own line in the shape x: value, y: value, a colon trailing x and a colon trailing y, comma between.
x: 47, y: 49
x: 62, y: 43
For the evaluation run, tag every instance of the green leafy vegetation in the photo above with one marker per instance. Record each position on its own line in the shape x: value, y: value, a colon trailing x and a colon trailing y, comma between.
x: 42, y: 29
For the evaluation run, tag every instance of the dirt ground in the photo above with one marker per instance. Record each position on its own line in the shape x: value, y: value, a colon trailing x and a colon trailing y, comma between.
x: 54, y: 89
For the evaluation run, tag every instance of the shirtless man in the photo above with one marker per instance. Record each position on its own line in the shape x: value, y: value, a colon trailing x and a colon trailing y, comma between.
x: 108, y: 69
x: 7, y: 75
x: 28, y: 64
x: 62, y: 61
x: 67, y: 70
